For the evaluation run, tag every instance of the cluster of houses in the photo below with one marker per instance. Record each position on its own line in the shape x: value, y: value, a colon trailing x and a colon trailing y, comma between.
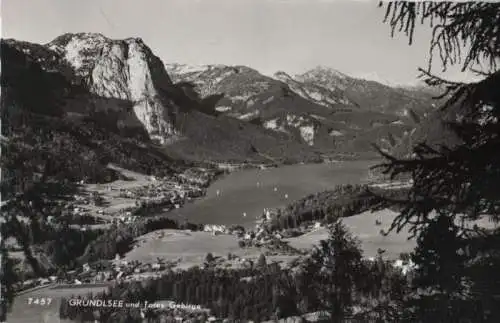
x: 392, y: 185
x: 83, y: 199
x: 200, y: 177
x: 273, y: 241
x: 216, y: 229
x: 259, y: 238
x: 134, y: 270
x: 102, y: 272
x: 126, y: 217
x: 262, y: 235
x: 232, y: 259
x: 406, y: 266
x: 186, y: 314
x: 116, y: 270
x: 37, y: 282
x: 165, y: 194
x: 321, y: 316
x: 75, y: 207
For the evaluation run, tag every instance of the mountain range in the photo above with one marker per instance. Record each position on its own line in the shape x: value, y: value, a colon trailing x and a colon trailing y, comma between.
x: 323, y: 108
x: 118, y: 102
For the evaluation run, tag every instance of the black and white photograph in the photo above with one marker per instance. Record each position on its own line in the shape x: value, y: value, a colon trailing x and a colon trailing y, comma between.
x: 241, y: 161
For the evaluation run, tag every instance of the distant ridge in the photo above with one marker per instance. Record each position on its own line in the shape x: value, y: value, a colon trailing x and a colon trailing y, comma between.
x: 322, y: 107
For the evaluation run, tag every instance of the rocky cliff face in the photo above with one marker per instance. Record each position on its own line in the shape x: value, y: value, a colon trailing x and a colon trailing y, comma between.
x: 125, y: 88
x: 122, y: 69
x: 116, y: 93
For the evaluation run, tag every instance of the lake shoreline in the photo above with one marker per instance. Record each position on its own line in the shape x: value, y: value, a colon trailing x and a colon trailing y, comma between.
x: 246, y: 180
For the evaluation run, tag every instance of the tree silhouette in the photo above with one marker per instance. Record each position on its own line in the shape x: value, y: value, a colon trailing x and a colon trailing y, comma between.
x: 336, y: 265
x: 439, y: 258
x: 262, y: 261
x: 455, y: 183
x: 209, y: 258
x: 391, y: 139
x: 414, y: 116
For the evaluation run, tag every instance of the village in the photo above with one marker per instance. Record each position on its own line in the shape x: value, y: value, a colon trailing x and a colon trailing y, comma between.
x: 109, y: 271
x: 124, y: 201
x: 166, y: 195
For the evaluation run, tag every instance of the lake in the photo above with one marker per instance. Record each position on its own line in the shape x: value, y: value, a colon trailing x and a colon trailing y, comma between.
x: 250, y: 191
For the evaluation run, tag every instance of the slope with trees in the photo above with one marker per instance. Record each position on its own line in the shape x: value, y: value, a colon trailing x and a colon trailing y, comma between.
x: 454, y: 183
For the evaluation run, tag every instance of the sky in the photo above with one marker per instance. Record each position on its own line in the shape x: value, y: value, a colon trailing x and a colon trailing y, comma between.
x: 268, y: 35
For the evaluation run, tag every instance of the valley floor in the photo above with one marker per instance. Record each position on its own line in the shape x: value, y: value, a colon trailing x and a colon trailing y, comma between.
x: 183, y: 248
x: 190, y: 248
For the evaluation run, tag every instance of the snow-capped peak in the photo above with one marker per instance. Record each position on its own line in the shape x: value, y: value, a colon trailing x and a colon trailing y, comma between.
x: 373, y: 76
x: 186, y: 68
x: 326, y: 72
x: 320, y: 85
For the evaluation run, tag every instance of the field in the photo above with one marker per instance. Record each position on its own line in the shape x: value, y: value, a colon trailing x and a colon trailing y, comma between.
x: 364, y: 228
x: 23, y: 312
x: 239, y: 193
x: 114, y: 203
x: 189, y: 248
